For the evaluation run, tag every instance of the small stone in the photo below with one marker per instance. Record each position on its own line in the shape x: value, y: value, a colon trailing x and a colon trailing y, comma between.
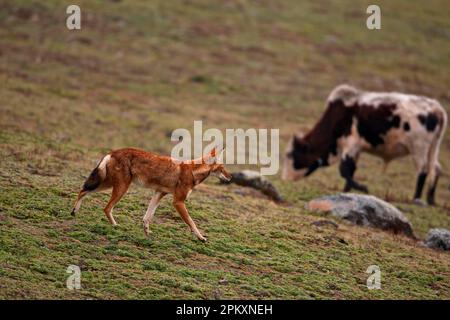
x: 438, y: 239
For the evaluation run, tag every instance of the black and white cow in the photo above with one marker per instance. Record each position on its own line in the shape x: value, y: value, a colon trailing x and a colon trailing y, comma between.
x: 389, y: 125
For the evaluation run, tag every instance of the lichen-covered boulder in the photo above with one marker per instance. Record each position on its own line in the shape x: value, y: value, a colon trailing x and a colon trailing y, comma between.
x: 364, y: 210
x: 254, y: 179
x: 438, y: 239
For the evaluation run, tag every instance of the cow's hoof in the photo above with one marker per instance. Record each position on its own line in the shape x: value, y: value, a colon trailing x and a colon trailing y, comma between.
x: 356, y: 186
x: 419, y: 202
x: 72, y: 213
x: 361, y: 187
x: 364, y: 189
x: 431, y: 202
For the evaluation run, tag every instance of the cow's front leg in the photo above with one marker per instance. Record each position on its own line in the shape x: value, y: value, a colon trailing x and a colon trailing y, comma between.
x: 347, y: 169
x: 421, y: 178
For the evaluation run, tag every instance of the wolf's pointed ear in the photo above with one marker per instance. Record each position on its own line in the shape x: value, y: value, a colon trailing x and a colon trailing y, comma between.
x: 211, y: 157
x: 219, y: 157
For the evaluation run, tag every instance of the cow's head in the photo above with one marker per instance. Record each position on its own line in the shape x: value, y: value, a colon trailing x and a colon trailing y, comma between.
x: 299, y: 159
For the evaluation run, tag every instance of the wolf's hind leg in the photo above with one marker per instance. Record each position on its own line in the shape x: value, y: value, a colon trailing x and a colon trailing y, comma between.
x: 151, y: 211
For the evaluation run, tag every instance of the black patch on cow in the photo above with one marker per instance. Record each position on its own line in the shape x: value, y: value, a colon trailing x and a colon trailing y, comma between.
x: 333, y: 147
x: 406, y: 126
x: 396, y: 121
x: 343, y: 115
x: 335, y: 123
x: 347, y: 168
x: 322, y: 139
x: 429, y: 121
x: 373, y: 122
x: 299, y: 150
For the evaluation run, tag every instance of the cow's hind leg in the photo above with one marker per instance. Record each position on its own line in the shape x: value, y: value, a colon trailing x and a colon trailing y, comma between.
x: 347, y: 169
x: 422, y: 172
x: 433, y: 180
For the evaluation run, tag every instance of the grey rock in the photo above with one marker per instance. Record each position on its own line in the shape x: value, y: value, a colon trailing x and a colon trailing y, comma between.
x: 364, y: 210
x: 438, y: 239
x: 253, y: 179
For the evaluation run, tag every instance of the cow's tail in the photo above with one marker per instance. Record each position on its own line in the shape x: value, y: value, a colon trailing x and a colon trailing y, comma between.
x: 434, y: 168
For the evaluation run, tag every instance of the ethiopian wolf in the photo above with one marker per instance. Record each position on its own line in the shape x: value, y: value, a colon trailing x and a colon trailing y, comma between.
x: 388, y: 125
x: 118, y: 169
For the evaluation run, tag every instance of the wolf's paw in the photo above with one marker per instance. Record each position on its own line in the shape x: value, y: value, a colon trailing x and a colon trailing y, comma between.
x: 147, y: 230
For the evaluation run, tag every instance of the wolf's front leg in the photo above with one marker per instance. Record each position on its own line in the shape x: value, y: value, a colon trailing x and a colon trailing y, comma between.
x: 181, y: 208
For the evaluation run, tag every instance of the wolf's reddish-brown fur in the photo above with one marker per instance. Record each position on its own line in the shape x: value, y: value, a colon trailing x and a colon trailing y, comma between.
x: 120, y: 168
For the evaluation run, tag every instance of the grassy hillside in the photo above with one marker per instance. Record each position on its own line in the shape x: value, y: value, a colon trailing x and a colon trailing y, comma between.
x: 138, y: 70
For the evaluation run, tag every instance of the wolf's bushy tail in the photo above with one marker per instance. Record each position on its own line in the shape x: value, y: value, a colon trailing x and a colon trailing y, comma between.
x: 97, y: 175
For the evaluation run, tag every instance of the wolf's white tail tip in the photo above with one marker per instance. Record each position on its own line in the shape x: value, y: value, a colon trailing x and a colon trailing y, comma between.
x: 102, y: 165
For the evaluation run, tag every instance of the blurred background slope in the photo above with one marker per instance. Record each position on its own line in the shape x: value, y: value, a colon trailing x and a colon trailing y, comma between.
x: 138, y: 70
